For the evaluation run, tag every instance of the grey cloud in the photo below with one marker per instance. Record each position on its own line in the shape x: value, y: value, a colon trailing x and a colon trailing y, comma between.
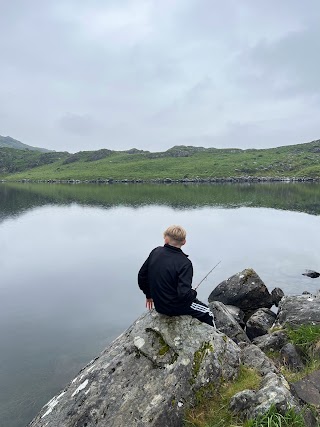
x: 153, y: 74
x: 292, y: 59
x: 78, y: 124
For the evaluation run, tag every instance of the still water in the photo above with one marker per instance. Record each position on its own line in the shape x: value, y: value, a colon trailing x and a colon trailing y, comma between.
x: 70, y: 256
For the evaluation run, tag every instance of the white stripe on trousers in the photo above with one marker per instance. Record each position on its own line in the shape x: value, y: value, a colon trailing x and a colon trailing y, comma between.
x: 203, y: 309
x: 199, y: 307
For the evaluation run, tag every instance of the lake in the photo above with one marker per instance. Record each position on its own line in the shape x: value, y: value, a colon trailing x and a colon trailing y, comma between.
x: 70, y: 256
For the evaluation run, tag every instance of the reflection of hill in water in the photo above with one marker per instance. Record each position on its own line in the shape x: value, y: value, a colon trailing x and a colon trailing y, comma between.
x: 17, y: 198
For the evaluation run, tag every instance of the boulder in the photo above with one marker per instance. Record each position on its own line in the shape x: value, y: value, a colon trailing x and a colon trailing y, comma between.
x: 260, y: 322
x: 226, y: 323
x: 274, y: 390
x: 299, y: 310
x: 271, y: 342
x: 252, y: 357
x: 244, y: 290
x: 147, y: 376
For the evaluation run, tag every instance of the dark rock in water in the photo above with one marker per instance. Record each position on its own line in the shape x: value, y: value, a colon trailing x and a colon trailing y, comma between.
x: 244, y: 290
x: 146, y: 377
x: 271, y: 342
x: 274, y: 390
x: 308, y: 389
x: 259, y: 323
x: 226, y: 323
x: 299, y: 310
x: 311, y: 273
x: 277, y: 294
x: 291, y: 358
x: 237, y: 314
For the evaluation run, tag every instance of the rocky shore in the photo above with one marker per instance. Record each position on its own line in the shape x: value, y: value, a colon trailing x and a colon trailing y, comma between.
x: 161, y: 366
x: 239, y: 179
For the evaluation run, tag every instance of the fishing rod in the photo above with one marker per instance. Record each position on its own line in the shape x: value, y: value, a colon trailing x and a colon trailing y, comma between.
x: 206, y: 276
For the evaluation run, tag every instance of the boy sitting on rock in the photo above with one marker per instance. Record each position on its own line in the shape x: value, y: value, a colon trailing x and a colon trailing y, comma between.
x: 166, y: 277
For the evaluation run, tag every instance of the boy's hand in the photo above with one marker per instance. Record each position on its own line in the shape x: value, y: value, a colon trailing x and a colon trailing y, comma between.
x: 149, y: 303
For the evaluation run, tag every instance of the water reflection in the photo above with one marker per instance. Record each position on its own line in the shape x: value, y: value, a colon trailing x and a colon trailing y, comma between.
x: 68, y: 266
x: 302, y: 197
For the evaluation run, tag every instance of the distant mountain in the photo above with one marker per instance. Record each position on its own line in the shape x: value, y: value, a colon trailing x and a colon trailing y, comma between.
x: 8, y: 142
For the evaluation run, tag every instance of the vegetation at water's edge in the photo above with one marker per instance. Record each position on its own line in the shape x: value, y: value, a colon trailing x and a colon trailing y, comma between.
x: 302, y: 160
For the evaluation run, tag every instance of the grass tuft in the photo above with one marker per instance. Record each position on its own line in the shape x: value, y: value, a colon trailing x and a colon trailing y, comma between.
x: 305, y: 337
x: 273, y: 418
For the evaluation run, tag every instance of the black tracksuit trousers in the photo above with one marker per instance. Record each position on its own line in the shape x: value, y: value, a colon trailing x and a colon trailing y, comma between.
x: 197, y: 309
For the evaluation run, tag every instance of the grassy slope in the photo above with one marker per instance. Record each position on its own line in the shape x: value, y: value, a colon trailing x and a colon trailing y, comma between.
x: 16, y: 160
x: 296, y: 160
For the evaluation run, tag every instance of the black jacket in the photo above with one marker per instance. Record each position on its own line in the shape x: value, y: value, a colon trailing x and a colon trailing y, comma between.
x: 166, y: 277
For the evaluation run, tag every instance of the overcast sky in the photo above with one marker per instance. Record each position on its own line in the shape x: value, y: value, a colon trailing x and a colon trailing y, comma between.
x: 83, y: 75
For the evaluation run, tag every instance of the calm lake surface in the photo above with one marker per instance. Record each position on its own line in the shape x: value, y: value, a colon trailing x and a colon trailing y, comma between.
x: 70, y: 256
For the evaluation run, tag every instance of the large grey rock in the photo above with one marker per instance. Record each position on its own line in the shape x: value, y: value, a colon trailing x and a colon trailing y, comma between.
x: 146, y: 377
x: 226, y: 323
x: 274, y: 390
x: 244, y: 290
x: 271, y: 342
x: 299, y: 310
x: 260, y: 322
x: 252, y: 357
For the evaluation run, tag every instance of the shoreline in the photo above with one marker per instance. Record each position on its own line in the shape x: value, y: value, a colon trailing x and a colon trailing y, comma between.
x: 241, y: 179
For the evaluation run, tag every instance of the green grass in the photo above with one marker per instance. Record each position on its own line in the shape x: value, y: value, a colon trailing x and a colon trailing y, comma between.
x: 273, y: 418
x: 215, y: 412
x: 293, y: 376
x: 15, y: 160
x: 177, y: 163
x: 305, y: 337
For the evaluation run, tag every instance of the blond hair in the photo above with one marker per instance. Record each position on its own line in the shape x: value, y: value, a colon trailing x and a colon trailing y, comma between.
x: 176, y: 233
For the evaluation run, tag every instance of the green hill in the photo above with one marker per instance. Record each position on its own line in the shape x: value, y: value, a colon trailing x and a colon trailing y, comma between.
x: 180, y: 162
x: 17, y: 160
x: 8, y: 142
